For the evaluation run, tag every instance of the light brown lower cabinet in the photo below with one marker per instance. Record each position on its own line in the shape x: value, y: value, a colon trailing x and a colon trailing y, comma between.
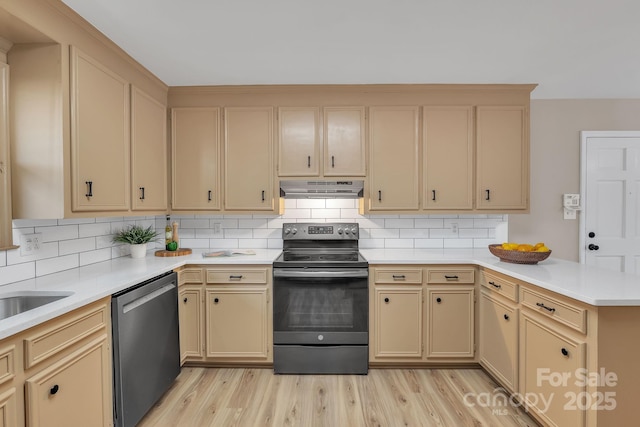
x: 59, y: 373
x: 451, y: 326
x: 225, y: 315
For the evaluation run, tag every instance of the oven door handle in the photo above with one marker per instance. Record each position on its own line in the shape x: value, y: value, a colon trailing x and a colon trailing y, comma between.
x: 359, y: 273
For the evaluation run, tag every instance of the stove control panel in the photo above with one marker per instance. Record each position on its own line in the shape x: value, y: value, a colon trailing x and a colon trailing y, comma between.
x: 320, y: 231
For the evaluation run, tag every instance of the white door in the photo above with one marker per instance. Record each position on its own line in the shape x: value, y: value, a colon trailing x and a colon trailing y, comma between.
x: 610, y: 224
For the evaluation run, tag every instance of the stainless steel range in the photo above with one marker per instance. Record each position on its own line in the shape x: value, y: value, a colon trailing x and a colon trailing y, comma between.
x: 320, y: 301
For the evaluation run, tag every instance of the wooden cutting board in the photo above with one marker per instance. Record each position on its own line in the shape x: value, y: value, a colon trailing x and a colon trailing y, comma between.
x: 178, y: 252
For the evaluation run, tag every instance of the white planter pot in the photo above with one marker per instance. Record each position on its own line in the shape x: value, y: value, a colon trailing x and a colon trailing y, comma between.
x: 138, y: 251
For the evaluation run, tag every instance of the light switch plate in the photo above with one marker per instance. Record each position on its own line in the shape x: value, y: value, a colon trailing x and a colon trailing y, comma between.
x: 30, y: 243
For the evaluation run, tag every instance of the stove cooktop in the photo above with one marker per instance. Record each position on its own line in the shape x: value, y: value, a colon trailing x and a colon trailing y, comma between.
x: 324, y: 258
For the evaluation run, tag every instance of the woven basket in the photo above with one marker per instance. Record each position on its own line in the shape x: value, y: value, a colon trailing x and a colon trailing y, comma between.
x: 517, y: 257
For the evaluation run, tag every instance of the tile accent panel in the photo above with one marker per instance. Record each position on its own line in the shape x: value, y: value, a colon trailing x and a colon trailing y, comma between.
x: 71, y: 243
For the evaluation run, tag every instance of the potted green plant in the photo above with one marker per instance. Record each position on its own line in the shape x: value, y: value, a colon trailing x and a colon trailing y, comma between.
x: 137, y: 237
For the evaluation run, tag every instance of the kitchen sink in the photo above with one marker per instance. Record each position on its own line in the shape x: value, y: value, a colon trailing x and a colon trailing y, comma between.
x: 19, y: 302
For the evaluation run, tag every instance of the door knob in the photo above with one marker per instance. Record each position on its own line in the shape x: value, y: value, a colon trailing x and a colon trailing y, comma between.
x: 593, y: 247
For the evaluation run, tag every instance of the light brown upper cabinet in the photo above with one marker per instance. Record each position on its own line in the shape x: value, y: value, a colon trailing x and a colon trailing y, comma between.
x: 100, y: 136
x: 248, y: 157
x: 299, y: 141
x: 195, y: 148
x: 5, y: 176
x: 307, y: 148
x: 344, y: 141
x: 148, y: 153
x: 393, y: 161
x: 502, y: 148
x: 448, y: 157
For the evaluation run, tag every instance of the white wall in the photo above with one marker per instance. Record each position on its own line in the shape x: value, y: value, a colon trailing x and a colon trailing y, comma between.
x: 77, y: 242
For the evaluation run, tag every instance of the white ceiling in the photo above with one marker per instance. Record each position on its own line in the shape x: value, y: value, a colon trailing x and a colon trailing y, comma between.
x: 571, y: 48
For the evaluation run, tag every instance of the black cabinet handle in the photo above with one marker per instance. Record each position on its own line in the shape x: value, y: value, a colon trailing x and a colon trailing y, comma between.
x: 386, y: 300
x: 451, y: 277
x: 54, y: 389
x: 141, y: 193
x: 506, y: 317
x: 185, y: 300
x: 488, y: 195
x: 232, y: 277
x: 379, y: 195
x: 438, y: 300
x: 495, y: 285
x: 308, y: 161
x: 89, y: 188
x: 593, y: 247
x: 433, y: 195
x: 592, y: 234
x: 541, y: 305
x: 263, y: 195
x: 398, y: 276
x: 333, y: 161
x: 216, y: 300
x: 564, y: 352
x: 209, y: 194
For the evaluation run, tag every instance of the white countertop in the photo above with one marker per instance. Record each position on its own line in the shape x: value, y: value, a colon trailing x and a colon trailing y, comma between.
x: 594, y: 286
x: 88, y: 284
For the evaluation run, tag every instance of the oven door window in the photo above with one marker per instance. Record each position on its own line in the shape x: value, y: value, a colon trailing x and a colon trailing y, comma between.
x: 320, y: 304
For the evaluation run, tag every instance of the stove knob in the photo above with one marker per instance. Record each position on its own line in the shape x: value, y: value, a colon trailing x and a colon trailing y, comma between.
x: 346, y: 230
x: 354, y: 230
x: 339, y: 230
x: 294, y: 231
x: 287, y: 231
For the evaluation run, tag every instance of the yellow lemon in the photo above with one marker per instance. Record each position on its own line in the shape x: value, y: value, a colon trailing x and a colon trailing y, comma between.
x: 542, y: 249
x: 525, y: 248
x: 538, y: 245
x: 510, y: 246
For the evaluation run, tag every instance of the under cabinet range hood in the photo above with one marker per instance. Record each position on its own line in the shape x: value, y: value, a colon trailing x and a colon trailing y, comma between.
x: 299, y: 189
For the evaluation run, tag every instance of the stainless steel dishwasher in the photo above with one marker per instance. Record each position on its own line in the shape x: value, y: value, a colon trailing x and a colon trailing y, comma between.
x: 146, y: 346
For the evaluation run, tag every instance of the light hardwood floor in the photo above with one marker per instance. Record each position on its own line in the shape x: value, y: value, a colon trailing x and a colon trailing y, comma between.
x: 385, y: 397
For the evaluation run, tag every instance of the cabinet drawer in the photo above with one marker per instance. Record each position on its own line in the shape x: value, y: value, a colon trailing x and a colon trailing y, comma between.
x: 258, y: 275
x: 565, y: 313
x: 499, y: 285
x: 454, y: 275
x: 400, y: 275
x: 59, y: 335
x: 7, y: 365
x: 190, y: 275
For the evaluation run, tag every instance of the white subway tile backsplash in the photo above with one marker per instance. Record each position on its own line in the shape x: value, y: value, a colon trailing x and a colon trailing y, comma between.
x: 311, y: 204
x: 70, y: 243
x: 342, y: 204
x: 15, y: 273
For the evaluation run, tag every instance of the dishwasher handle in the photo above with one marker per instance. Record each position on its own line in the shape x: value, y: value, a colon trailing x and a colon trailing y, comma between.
x: 146, y: 298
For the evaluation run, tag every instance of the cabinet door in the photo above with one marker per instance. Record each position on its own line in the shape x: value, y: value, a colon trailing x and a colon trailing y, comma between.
x: 148, y: 153
x: 397, y: 323
x: 191, y: 321
x: 8, y: 410
x: 499, y: 340
x: 299, y: 141
x: 237, y: 322
x: 74, y: 391
x: 503, y: 158
x: 393, y: 136
x: 450, y: 329
x: 448, y: 157
x: 546, y: 356
x: 248, y: 159
x: 344, y: 141
x: 5, y: 177
x: 99, y: 136
x: 195, y: 149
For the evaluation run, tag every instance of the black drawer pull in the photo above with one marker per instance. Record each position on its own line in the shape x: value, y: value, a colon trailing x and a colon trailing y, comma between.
x: 89, y: 188
x: 386, y: 300
x: 308, y: 161
x: 263, y: 195
x: 488, y: 195
x: 333, y: 161
x: 209, y: 193
x: 54, y: 389
x: 216, y: 300
x: 495, y: 285
x: 564, y: 351
x: 141, y: 193
x: 451, y: 277
x: 438, y: 300
x: 232, y: 277
x: 398, y: 276
x: 549, y: 309
x: 506, y: 317
x: 433, y: 195
x: 379, y: 195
